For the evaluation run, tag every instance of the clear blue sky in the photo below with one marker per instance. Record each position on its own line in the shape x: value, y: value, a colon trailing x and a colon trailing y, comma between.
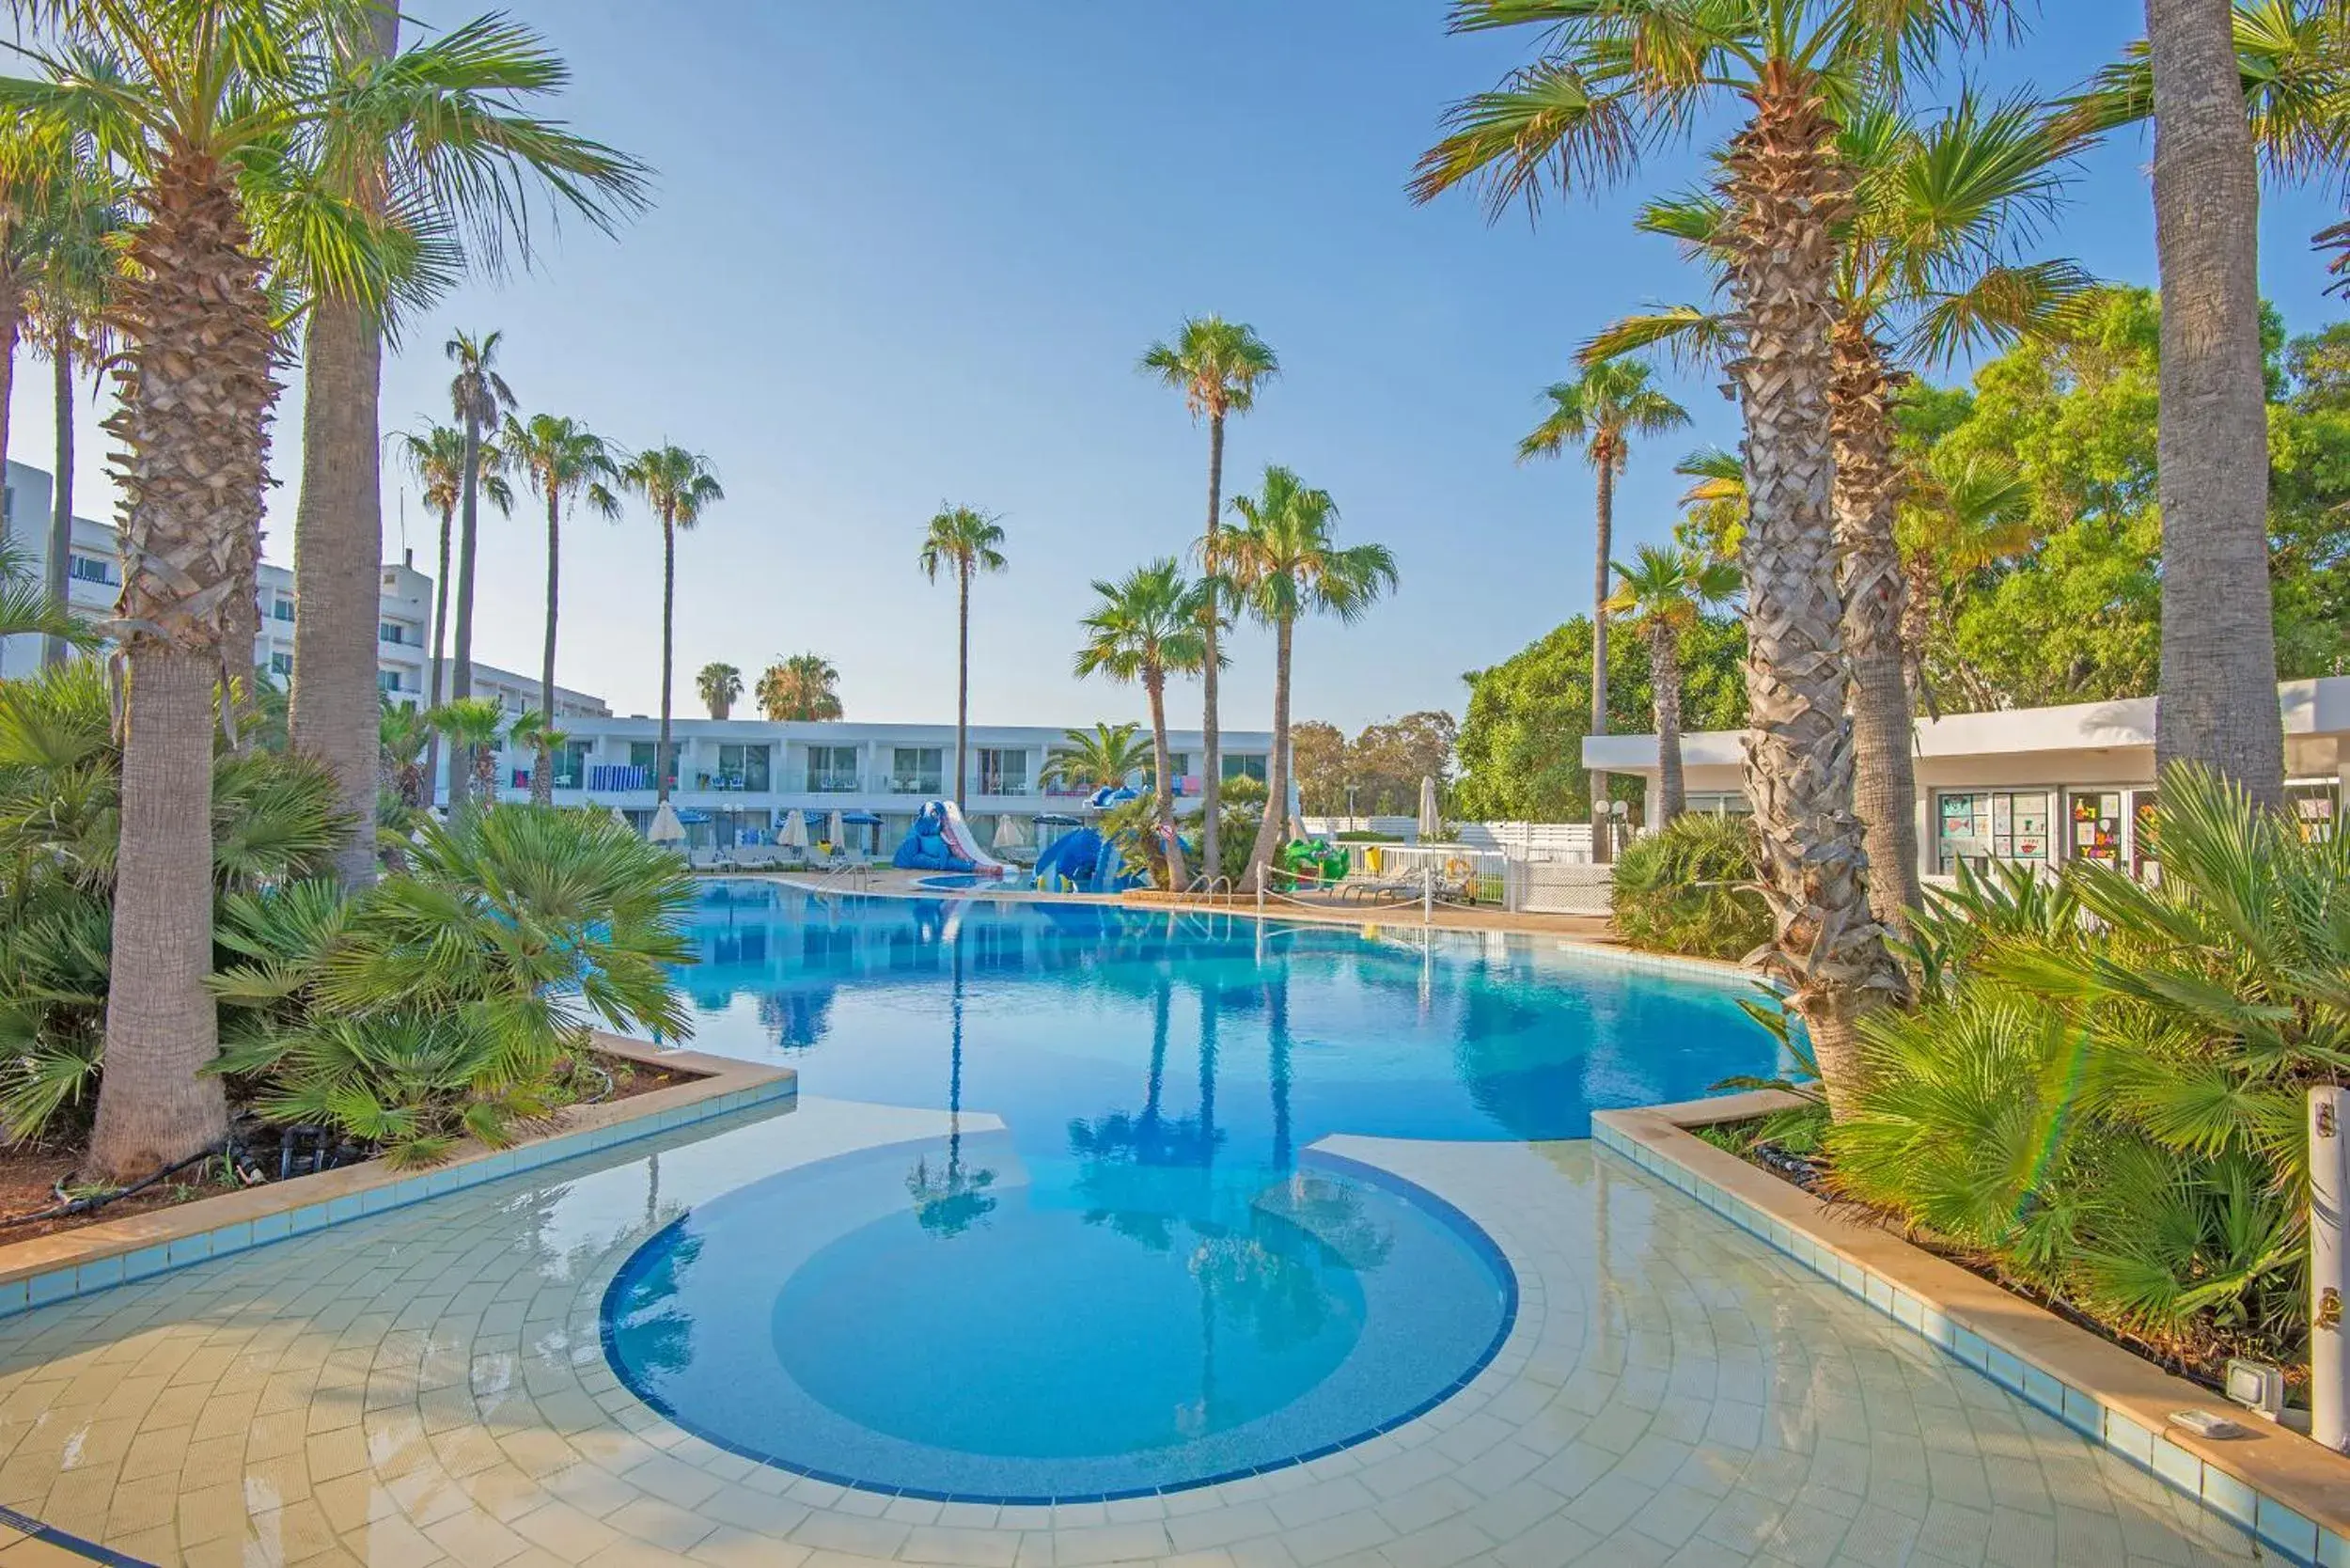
x: 910, y: 252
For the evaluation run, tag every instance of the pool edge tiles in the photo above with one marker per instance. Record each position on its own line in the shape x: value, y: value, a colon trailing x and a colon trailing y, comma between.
x: 2272, y: 1483
x: 1491, y: 1264
x: 44, y: 1270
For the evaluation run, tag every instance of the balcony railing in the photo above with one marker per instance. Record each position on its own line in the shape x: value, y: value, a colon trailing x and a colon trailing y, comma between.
x: 917, y: 784
x: 1001, y: 789
x: 832, y: 784
x: 730, y: 783
x: 618, y: 776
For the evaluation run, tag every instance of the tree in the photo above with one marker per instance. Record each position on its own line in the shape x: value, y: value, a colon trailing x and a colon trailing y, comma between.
x: 1217, y: 366
x: 1612, y: 81
x: 27, y: 609
x: 1662, y: 595
x: 474, y: 726
x: 679, y: 486
x: 72, y: 290
x: 962, y: 540
x: 44, y: 157
x: 479, y: 398
x: 1603, y: 409
x: 2219, y: 642
x: 1318, y: 750
x: 436, y: 143
x: 1387, y: 761
x: 719, y: 685
x: 566, y: 460
x: 1521, y: 744
x: 1143, y: 628
x: 535, y: 728
x: 435, y: 456
x: 205, y: 112
x: 1284, y: 563
x: 1102, y: 759
x: 402, y: 733
x: 803, y: 686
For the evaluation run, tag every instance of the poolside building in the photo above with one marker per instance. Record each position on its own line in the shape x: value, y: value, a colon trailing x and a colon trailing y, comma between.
x: 2033, y: 785
x: 735, y: 780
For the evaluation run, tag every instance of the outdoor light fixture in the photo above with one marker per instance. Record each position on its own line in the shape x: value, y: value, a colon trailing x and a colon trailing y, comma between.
x: 2259, y: 1386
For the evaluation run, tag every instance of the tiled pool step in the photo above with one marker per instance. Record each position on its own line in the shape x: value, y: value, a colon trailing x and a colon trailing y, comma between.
x: 2273, y: 1470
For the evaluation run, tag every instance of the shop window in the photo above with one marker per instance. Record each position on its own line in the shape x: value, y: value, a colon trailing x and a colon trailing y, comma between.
x: 2096, y: 827
x: 1976, y: 827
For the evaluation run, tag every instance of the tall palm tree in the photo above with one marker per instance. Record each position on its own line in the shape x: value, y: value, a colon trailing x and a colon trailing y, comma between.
x: 1612, y: 81
x: 439, y: 142
x: 1661, y: 596
x: 679, y: 486
x: 565, y: 462
x: 1217, y: 366
x: 1103, y: 758
x: 435, y: 456
x: 204, y: 110
x: 719, y: 685
x: 803, y: 686
x: 1602, y: 408
x: 1283, y: 563
x: 42, y: 159
x: 479, y: 396
x: 1959, y: 519
x: 75, y: 286
x: 1926, y: 270
x: 1143, y: 628
x: 964, y: 540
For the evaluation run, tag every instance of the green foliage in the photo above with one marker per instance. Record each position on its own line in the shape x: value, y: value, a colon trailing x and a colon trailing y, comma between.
x: 1690, y: 888
x: 2102, y: 1093
x: 1520, y: 746
x: 1383, y: 765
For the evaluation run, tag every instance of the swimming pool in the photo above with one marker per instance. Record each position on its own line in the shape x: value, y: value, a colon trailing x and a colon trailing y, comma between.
x: 1147, y: 1279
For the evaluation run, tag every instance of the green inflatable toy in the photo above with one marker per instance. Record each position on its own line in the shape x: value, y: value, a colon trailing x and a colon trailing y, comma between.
x: 1309, y: 863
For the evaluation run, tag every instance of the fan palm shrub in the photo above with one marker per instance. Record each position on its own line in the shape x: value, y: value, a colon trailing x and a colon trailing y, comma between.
x: 473, y: 726
x: 2102, y: 1096
x: 1103, y: 758
x: 1688, y: 887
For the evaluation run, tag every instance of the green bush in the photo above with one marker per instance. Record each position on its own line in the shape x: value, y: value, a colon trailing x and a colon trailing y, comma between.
x: 2102, y: 1095
x: 1688, y: 889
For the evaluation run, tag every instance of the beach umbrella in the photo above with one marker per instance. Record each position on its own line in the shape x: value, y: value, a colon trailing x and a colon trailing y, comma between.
x: 1009, y: 833
x: 832, y: 830
x: 621, y: 816
x: 794, y: 833
x: 1431, y: 822
x: 665, y: 828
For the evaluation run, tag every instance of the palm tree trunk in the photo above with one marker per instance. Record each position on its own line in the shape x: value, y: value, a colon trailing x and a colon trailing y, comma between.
x: 963, y: 669
x: 2218, y: 637
x: 1784, y: 195
x: 1664, y: 676
x: 1163, y: 789
x: 54, y: 650
x: 195, y: 395
x: 1867, y: 496
x: 543, y: 764
x: 461, y: 673
x: 440, y: 641
x: 1275, y: 829
x: 339, y: 565
x: 668, y: 639
x: 11, y: 333
x: 1603, y: 845
x: 1212, y: 744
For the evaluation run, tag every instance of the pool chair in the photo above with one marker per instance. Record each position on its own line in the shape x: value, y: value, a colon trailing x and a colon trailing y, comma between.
x: 708, y: 861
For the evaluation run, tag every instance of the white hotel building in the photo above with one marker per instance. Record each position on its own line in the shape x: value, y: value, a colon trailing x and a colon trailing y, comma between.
x: 404, y: 632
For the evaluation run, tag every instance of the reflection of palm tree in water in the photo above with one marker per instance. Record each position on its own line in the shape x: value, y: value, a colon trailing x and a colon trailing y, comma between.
x: 1277, y: 996
x: 950, y: 1205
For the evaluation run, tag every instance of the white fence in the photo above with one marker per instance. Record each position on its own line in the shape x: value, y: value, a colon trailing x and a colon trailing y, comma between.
x: 1405, y: 828
x: 1555, y: 841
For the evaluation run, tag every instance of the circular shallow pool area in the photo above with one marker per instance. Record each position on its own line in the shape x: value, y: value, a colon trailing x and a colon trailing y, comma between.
x: 998, y: 1341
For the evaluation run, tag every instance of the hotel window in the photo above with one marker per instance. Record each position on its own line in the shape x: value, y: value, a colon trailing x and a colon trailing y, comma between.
x: 2093, y: 821
x: 281, y: 609
x: 831, y: 770
x: 1982, y: 825
x: 1249, y: 766
x: 571, y: 765
x: 640, y: 757
x: 390, y: 631
x: 90, y: 569
x: 2313, y: 805
x: 1003, y: 772
x: 385, y: 680
x: 281, y: 663
x: 742, y: 767
x: 918, y: 770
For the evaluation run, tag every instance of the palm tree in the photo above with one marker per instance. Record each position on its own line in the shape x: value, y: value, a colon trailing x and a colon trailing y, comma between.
x: 43, y: 161
x: 1610, y: 403
x: 438, y: 144
x: 207, y: 112
x: 479, y: 398
x: 1217, y: 366
x: 28, y: 609
x: 679, y: 486
x: 535, y: 728
x: 964, y: 540
x: 436, y: 458
x: 565, y: 461
x: 1925, y: 273
x: 1662, y: 595
x: 1284, y: 563
x: 402, y: 732
x: 719, y: 685
x: 1144, y: 628
x: 803, y: 686
x: 1102, y: 759
x: 73, y: 287
x: 1612, y: 81
x: 1959, y: 519
x: 474, y: 726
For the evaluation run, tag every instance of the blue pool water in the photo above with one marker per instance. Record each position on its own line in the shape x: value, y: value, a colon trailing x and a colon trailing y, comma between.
x: 1147, y: 1278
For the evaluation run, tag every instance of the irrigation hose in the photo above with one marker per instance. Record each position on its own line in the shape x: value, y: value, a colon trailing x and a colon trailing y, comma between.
x: 99, y: 1200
